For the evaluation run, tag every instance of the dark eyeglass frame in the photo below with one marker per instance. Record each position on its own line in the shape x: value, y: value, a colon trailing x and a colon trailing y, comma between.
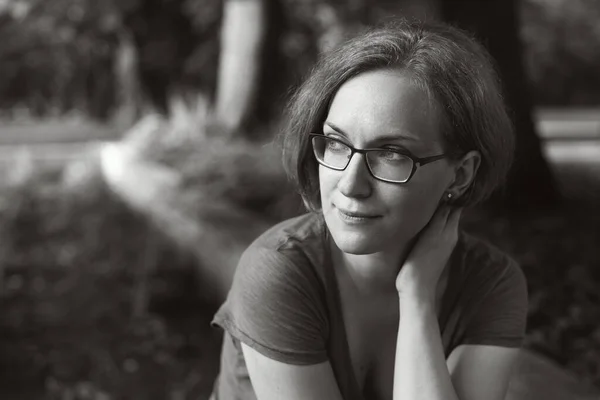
x: 416, y: 161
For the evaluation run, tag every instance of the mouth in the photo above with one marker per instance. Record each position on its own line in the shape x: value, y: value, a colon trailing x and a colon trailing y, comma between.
x: 356, y: 216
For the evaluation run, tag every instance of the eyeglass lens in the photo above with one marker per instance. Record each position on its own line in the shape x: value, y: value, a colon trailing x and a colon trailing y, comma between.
x: 383, y: 164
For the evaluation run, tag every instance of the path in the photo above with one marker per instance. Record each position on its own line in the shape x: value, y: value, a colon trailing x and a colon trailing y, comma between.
x: 571, y: 143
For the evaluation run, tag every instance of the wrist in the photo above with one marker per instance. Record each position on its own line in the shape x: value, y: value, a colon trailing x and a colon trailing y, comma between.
x: 410, y: 304
x: 419, y: 296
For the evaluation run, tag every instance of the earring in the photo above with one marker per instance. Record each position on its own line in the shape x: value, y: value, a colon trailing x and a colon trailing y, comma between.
x: 449, y: 196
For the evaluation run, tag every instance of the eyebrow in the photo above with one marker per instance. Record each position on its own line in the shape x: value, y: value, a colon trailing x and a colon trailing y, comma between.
x: 390, y: 137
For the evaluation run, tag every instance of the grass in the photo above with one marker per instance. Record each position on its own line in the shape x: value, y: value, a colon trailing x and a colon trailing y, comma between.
x: 72, y: 255
x: 70, y: 261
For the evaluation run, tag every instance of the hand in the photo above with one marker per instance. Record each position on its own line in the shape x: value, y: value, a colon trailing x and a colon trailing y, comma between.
x: 419, y: 276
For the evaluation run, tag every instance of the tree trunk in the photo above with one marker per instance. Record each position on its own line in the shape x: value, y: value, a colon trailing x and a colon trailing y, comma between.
x: 242, y: 43
x: 423, y: 10
x: 530, y: 183
x: 129, y: 93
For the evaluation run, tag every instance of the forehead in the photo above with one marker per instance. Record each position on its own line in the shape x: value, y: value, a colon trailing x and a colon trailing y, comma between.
x: 385, y: 103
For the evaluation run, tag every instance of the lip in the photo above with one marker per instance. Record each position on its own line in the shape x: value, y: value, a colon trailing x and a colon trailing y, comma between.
x: 356, y: 216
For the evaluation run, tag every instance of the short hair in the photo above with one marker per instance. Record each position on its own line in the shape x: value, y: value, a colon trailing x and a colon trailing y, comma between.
x: 452, y: 68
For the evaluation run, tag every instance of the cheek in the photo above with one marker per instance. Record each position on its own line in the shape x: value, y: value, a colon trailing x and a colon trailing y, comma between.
x: 411, y: 206
x: 432, y: 183
x: 414, y: 205
x: 419, y: 194
x: 327, y: 181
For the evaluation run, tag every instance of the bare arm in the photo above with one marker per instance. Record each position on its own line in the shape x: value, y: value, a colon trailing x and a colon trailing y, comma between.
x: 481, y: 372
x: 473, y: 372
x: 274, y: 380
x: 420, y: 370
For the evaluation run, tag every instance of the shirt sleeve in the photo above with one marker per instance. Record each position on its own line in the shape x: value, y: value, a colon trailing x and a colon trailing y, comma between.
x: 276, y: 306
x: 500, y: 317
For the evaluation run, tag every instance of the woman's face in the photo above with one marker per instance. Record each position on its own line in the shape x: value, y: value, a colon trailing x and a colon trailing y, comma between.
x: 372, y: 110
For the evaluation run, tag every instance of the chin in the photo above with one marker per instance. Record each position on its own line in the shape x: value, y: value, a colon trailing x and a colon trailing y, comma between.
x: 357, y: 248
x: 354, y: 239
x: 358, y: 244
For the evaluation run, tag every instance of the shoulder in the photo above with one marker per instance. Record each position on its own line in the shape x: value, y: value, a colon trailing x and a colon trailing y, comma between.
x: 282, y: 268
x: 481, y: 261
x: 277, y: 302
x: 293, y: 232
x: 491, y: 281
x: 289, y: 249
x: 492, y: 293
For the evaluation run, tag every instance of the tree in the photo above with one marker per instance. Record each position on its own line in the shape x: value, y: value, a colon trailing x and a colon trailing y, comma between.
x: 418, y: 9
x: 530, y: 183
x: 164, y: 37
x: 243, y: 37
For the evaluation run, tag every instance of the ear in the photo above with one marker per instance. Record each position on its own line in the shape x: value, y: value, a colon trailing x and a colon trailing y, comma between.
x: 465, y: 171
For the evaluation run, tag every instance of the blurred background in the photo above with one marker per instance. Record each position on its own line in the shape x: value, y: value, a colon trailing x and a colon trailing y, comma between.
x: 138, y: 160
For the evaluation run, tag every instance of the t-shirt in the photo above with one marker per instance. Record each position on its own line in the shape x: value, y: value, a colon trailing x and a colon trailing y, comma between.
x: 284, y: 303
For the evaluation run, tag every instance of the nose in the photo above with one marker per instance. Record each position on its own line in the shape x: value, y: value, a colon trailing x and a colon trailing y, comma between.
x: 356, y: 179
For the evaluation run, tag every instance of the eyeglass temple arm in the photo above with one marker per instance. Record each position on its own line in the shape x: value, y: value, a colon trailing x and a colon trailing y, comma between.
x: 427, y: 160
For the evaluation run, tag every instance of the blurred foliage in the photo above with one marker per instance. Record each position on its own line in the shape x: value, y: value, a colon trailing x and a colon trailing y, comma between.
x: 70, y: 260
x: 59, y: 55
x: 245, y: 174
x: 562, y: 50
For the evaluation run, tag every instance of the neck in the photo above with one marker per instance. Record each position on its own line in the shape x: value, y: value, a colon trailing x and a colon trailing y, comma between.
x: 371, y: 273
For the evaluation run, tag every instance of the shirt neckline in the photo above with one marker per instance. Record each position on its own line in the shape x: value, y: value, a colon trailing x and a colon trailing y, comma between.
x: 356, y: 391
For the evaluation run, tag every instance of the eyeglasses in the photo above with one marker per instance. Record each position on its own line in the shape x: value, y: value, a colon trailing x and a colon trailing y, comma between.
x: 387, y: 165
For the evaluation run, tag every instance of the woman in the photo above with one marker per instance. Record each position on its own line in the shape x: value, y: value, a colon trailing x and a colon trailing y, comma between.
x: 375, y: 294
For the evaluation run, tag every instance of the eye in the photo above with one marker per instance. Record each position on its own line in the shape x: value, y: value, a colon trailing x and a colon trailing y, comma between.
x: 390, y: 155
x: 334, y: 145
